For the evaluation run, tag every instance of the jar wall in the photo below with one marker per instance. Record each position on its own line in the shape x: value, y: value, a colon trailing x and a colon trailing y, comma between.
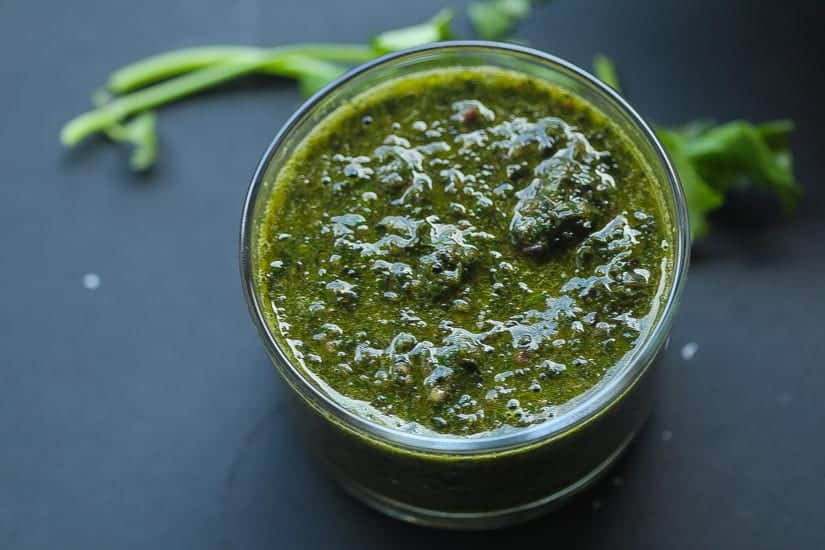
x: 473, y: 491
x: 470, y: 482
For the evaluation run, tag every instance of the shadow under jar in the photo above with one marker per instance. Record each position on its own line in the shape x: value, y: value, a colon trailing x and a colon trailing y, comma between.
x: 510, y: 471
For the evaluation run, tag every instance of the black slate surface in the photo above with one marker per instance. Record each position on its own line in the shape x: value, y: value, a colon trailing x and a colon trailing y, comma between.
x: 144, y: 414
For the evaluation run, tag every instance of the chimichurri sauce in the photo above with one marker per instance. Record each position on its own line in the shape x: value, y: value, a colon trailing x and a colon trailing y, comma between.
x: 463, y: 250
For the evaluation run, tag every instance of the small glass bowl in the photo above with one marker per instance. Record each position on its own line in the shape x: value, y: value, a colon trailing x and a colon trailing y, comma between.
x: 486, y: 481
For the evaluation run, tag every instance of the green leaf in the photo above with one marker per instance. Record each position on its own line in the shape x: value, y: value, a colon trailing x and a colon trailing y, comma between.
x: 743, y: 153
x: 711, y: 159
x: 434, y: 30
x: 495, y: 19
x: 606, y: 72
x: 139, y: 132
x: 701, y: 197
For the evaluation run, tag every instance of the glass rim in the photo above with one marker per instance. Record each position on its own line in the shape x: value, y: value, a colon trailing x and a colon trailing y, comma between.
x: 605, y: 392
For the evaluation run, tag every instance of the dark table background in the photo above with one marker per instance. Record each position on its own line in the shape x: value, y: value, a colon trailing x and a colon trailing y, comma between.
x: 145, y: 414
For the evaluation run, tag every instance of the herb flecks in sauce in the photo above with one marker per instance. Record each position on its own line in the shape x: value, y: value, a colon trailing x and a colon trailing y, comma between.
x: 466, y: 250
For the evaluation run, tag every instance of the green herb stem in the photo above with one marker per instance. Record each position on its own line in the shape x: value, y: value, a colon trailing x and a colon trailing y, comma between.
x: 285, y: 61
x: 97, y: 120
x: 176, y: 62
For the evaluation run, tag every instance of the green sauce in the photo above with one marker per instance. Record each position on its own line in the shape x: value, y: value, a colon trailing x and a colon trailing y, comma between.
x: 463, y: 250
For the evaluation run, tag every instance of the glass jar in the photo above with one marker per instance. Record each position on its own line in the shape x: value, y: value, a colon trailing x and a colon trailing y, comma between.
x: 489, y: 480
